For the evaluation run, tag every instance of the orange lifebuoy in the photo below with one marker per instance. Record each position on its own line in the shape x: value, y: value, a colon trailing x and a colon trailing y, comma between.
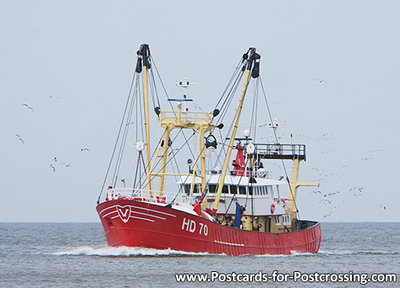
x: 272, y: 208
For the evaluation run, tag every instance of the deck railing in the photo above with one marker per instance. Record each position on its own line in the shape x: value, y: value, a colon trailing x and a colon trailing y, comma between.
x: 281, y: 151
x: 144, y: 195
x: 186, y: 116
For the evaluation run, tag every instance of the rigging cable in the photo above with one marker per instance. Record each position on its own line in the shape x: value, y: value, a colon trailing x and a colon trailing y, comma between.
x: 220, y: 119
x: 124, y: 139
x: 276, y: 139
x: 230, y: 81
x: 253, y: 121
x: 116, y: 142
x: 142, y: 187
x: 169, y: 160
x: 166, y: 93
x: 162, y: 83
x: 153, y: 87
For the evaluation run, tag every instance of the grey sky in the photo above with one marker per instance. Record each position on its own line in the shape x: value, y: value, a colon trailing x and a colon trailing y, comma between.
x: 82, y: 54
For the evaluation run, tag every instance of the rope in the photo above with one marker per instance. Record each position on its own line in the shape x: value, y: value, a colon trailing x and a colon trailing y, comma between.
x: 162, y: 84
x: 276, y: 139
x: 116, y: 142
x: 230, y: 81
x: 124, y: 139
x: 141, y: 187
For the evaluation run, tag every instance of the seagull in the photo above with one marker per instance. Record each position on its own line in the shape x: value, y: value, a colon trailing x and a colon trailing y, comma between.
x: 327, y: 215
x: 53, y: 97
x: 65, y: 164
x: 326, y: 136
x: 319, y: 80
x: 366, y: 158
x: 27, y: 106
x: 52, y: 167
x: 123, y: 181
x: 20, y: 139
x: 55, y: 159
x: 331, y: 194
x: 383, y: 207
x: 84, y: 149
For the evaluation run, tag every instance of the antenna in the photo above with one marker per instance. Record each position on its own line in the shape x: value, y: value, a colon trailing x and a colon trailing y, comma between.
x: 184, y: 85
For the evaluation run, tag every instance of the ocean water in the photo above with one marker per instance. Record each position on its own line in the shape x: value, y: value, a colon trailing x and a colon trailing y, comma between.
x: 76, y: 255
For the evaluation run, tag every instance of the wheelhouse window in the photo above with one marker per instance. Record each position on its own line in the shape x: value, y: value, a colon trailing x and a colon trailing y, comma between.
x: 264, y: 192
x: 212, y: 188
x: 225, y: 189
x: 187, y: 189
x: 242, y: 190
x: 196, y: 188
x: 286, y: 220
x: 233, y: 189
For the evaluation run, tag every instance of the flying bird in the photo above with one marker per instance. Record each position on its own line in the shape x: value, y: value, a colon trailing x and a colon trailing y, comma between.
x: 29, y: 107
x: 20, y: 139
x: 85, y: 149
x: 52, y: 167
x: 329, y: 214
x: 65, y: 164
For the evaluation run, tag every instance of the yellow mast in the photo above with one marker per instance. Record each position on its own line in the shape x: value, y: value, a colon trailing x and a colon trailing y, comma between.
x: 203, y: 167
x: 294, y: 184
x: 251, y: 58
x: 145, y: 53
x: 164, y: 161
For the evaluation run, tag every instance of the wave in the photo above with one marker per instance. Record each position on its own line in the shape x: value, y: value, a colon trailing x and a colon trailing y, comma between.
x: 124, y: 252
x: 361, y: 252
x: 335, y: 252
x: 292, y: 254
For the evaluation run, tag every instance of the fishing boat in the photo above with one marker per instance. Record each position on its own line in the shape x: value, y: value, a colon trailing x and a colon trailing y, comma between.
x: 234, y: 208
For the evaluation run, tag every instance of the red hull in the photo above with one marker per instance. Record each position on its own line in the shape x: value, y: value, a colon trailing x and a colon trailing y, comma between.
x: 142, y: 224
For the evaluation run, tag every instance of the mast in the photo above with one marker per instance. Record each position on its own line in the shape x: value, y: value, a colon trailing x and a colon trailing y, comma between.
x: 144, y: 51
x: 294, y: 184
x: 251, y: 57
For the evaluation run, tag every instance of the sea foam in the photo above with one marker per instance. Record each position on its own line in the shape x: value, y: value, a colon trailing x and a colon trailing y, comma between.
x: 125, y: 252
